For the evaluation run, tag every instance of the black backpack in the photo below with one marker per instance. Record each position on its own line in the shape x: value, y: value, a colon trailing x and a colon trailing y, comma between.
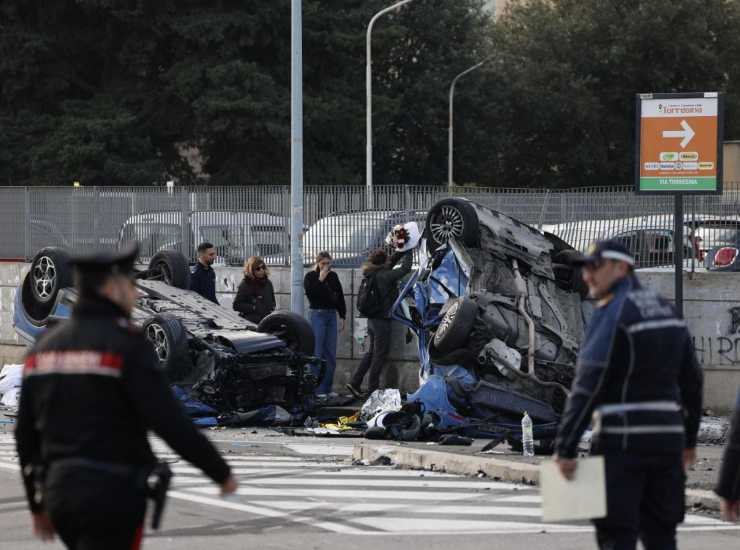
x: 369, y: 301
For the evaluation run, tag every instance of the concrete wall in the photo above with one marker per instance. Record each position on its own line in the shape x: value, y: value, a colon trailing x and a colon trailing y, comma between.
x: 712, y: 309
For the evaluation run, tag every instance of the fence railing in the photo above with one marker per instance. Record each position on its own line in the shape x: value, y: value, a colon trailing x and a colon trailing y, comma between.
x: 245, y: 221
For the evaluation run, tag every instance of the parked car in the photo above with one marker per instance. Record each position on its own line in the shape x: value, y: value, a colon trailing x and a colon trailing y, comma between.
x: 236, y: 235
x: 349, y: 237
x: 498, y: 317
x: 230, y: 362
x: 720, y: 243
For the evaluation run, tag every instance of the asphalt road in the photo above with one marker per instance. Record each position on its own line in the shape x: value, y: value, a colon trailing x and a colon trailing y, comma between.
x: 305, y: 493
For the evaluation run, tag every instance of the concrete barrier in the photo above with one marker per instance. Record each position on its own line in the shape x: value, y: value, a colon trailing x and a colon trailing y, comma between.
x: 712, y: 309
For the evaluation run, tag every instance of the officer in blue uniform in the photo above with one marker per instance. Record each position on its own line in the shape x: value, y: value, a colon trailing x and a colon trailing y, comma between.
x: 638, y: 376
x: 202, y: 275
x: 728, y: 485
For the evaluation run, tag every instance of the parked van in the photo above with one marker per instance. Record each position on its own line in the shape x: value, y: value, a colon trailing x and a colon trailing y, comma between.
x: 235, y: 235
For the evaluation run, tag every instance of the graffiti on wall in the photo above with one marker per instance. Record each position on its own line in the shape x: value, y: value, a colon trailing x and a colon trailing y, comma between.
x: 721, y: 350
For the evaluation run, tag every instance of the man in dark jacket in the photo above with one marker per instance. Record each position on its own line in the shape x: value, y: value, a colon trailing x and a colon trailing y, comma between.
x: 202, y: 275
x: 379, y: 327
x: 92, y: 390
x: 637, y: 372
x: 728, y: 487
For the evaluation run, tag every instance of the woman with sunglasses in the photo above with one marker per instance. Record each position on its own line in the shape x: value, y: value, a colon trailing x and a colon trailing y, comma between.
x: 255, y: 298
x: 326, y: 298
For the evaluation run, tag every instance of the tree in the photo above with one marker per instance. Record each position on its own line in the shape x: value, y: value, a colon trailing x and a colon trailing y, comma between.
x: 112, y: 91
x: 561, y: 89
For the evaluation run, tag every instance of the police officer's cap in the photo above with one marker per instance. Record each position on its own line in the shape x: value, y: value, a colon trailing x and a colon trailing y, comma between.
x: 107, y: 262
x: 604, y: 250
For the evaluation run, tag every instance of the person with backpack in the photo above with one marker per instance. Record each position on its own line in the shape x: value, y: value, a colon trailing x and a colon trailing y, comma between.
x: 378, y: 291
x: 326, y: 299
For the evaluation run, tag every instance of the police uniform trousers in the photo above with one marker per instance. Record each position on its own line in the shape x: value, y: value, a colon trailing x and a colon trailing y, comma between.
x: 93, y: 509
x: 645, y: 500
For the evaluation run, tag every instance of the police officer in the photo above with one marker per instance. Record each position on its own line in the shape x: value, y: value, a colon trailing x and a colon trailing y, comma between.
x: 202, y: 275
x: 637, y: 373
x: 91, y: 392
x: 728, y: 486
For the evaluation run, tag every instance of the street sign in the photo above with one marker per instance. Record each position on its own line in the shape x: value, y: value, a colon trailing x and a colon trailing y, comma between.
x: 679, y: 143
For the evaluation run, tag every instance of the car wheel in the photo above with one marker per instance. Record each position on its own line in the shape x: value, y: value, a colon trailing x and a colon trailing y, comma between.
x: 50, y: 272
x: 452, y: 218
x: 292, y: 328
x: 170, y: 342
x: 455, y: 326
x: 171, y: 267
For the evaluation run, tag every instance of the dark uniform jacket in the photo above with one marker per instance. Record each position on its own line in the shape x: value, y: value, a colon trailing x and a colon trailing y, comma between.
x: 326, y: 294
x: 729, y: 476
x: 92, y: 389
x: 255, y: 299
x: 387, y: 278
x: 637, y: 372
x: 203, y: 281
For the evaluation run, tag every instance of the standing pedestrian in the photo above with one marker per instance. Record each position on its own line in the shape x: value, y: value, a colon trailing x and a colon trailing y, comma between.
x: 637, y: 372
x: 255, y: 298
x: 381, y: 280
x: 202, y: 275
x: 728, y: 486
x: 92, y: 390
x: 326, y: 300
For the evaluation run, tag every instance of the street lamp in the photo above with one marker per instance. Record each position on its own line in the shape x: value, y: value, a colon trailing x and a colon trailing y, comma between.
x: 369, y: 103
x: 452, y: 120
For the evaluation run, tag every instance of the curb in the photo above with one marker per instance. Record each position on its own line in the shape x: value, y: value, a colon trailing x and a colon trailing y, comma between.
x: 494, y: 468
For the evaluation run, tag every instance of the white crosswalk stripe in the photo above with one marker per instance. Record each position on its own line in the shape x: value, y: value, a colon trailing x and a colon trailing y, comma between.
x: 376, y: 500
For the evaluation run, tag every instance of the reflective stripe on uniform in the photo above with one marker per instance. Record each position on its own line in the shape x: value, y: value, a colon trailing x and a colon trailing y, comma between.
x: 653, y: 325
x: 73, y: 362
x: 667, y: 406
x: 642, y: 429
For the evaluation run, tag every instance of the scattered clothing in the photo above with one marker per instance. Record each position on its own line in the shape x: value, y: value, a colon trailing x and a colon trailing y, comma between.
x: 203, y: 281
x: 11, y: 378
x: 255, y: 298
x: 380, y: 401
x: 269, y: 415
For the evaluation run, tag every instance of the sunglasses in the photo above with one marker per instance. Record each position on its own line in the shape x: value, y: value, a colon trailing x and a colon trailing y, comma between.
x: 259, y: 268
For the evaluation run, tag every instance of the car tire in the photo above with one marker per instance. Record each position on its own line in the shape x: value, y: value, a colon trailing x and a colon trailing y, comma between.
x: 292, y: 328
x: 455, y: 327
x: 171, y: 267
x: 452, y: 218
x: 170, y: 342
x: 50, y: 272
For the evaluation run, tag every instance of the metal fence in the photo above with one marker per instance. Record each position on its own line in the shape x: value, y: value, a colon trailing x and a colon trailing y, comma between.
x: 245, y: 221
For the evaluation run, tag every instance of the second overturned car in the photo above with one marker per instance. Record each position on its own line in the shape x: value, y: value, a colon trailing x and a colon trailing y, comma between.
x: 225, y: 361
x: 499, y: 316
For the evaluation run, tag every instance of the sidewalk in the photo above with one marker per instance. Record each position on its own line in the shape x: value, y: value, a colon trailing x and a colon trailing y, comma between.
x: 502, y: 464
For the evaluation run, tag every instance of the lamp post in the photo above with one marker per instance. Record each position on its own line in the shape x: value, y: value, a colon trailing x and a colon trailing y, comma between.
x: 369, y: 102
x: 450, y: 132
x: 296, y: 158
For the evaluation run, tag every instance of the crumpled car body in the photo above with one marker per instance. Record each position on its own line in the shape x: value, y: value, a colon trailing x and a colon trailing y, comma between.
x: 225, y: 361
x: 498, y: 318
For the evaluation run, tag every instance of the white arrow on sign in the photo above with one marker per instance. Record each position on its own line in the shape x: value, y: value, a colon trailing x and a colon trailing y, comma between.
x: 687, y: 134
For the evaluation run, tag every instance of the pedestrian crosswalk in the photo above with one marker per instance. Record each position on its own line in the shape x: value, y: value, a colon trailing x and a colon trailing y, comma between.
x: 313, y: 492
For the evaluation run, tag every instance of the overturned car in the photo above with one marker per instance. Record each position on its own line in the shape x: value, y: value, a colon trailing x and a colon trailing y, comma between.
x: 498, y: 314
x: 223, y: 360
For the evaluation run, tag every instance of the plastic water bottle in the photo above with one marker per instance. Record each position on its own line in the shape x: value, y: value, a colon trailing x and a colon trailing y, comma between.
x: 527, y: 436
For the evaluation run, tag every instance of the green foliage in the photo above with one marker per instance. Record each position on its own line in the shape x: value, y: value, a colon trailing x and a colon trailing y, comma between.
x: 565, y: 76
x: 113, y: 91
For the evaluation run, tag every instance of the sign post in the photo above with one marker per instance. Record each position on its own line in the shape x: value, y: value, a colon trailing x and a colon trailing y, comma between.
x: 679, y: 152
